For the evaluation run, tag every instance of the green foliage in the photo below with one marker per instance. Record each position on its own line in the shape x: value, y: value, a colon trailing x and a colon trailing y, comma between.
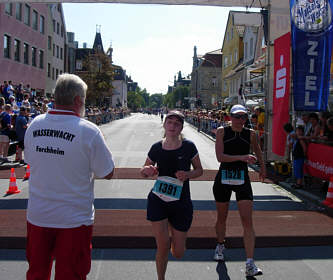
x: 176, y: 98
x: 98, y: 75
x: 137, y: 99
x: 134, y: 100
x: 156, y: 100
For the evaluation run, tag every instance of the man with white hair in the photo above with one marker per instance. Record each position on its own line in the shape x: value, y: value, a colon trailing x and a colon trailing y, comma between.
x: 65, y: 153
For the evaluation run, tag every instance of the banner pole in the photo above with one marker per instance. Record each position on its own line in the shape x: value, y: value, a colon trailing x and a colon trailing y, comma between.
x: 268, y: 112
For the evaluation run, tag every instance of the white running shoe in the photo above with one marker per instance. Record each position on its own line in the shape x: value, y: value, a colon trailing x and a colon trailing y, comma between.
x: 252, y: 269
x: 218, y: 256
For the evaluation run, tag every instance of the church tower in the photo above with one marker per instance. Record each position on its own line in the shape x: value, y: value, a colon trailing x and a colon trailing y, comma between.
x: 195, y: 59
x: 98, y: 44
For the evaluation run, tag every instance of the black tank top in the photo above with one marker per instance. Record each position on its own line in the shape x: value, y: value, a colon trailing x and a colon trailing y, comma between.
x: 236, y: 143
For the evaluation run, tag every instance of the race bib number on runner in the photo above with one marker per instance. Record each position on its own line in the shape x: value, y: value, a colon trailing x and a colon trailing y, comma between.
x: 232, y: 177
x: 168, y: 188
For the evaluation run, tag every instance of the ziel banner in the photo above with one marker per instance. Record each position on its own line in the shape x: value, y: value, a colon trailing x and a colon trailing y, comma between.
x: 311, y: 35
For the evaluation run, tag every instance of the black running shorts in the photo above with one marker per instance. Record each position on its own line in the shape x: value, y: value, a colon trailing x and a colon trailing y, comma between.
x: 222, y: 192
x: 179, y: 213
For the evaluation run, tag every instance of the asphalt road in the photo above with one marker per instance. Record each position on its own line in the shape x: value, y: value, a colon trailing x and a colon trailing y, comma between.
x: 292, y: 263
x: 129, y: 140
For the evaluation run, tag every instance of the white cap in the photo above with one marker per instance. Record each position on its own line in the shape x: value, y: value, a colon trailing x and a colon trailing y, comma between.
x: 300, y: 122
x: 238, y: 109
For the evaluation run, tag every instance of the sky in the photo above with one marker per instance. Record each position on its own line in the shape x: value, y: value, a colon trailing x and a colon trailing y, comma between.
x: 151, y: 42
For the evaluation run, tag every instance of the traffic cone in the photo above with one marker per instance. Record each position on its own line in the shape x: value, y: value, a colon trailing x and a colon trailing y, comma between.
x: 12, y: 183
x: 17, y: 153
x: 27, y: 173
x: 329, y: 197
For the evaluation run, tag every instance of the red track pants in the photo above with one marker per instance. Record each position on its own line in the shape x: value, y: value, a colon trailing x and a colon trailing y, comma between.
x: 70, y: 247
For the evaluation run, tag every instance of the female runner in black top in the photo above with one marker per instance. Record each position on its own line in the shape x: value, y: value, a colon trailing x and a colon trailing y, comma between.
x: 233, y: 145
x: 169, y: 201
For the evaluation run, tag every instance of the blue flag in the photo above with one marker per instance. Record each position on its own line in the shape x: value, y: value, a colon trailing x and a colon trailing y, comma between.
x: 311, y: 37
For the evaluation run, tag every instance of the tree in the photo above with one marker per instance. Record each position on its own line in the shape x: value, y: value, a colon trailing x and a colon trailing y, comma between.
x: 145, y: 96
x: 177, y: 97
x: 135, y: 100
x: 156, y: 100
x: 98, y: 75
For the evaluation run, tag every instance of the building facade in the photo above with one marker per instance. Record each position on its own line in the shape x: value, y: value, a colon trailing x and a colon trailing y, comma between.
x: 56, y: 46
x: 23, y: 28
x: 254, y: 63
x: 72, y: 45
x: 119, y: 83
x: 233, y: 53
x: 206, y: 79
x: 117, y: 97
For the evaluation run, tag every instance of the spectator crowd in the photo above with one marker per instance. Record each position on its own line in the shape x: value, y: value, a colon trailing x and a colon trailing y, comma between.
x: 20, y: 104
x: 309, y: 127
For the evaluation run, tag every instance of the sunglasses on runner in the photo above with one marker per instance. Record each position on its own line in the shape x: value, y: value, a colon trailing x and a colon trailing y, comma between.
x: 237, y: 116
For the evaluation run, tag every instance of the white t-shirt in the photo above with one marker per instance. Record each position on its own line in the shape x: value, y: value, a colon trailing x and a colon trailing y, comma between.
x: 64, y: 152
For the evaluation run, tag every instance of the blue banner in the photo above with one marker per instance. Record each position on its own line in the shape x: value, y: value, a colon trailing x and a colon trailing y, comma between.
x: 311, y: 36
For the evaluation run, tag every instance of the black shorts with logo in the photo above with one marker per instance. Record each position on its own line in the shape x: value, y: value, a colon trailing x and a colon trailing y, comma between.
x: 222, y: 192
x: 179, y: 213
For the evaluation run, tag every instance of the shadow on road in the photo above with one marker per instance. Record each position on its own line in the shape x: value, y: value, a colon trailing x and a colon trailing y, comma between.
x: 202, y: 255
x: 262, y: 202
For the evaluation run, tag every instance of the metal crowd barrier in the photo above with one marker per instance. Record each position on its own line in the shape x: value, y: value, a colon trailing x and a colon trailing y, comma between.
x: 205, y: 125
x: 106, y: 117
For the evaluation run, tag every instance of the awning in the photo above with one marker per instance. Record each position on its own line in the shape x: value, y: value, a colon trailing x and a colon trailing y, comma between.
x: 259, y: 70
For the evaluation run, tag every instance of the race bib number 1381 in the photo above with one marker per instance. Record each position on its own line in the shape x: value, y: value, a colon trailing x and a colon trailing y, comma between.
x: 168, y: 188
